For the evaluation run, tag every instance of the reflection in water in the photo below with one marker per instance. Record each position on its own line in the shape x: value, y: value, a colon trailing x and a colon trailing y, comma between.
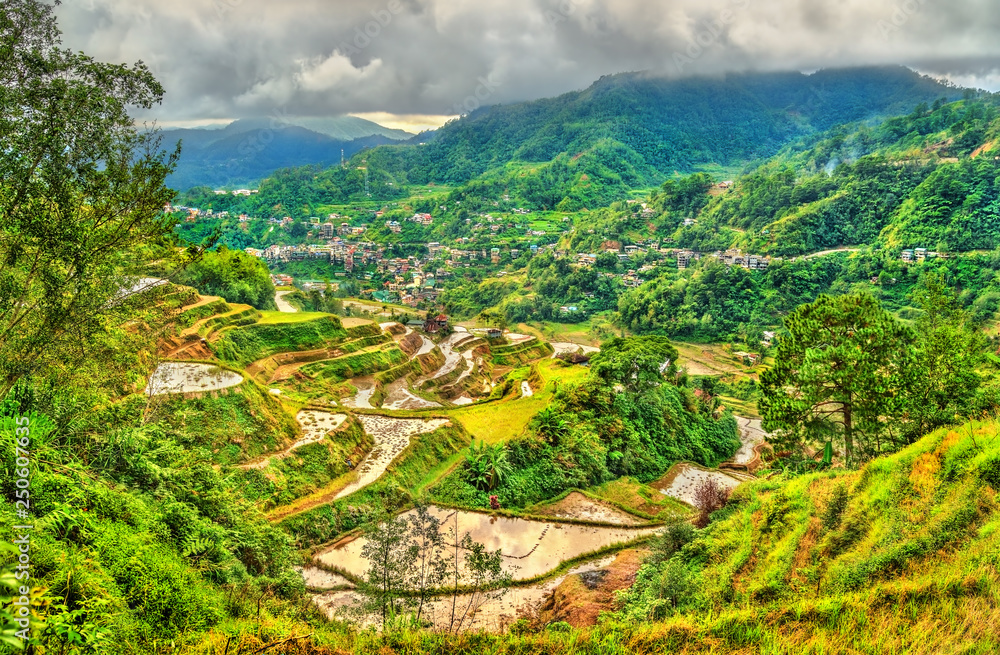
x: 529, y: 548
x: 176, y: 377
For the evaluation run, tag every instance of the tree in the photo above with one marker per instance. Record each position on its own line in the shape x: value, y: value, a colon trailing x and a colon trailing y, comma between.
x: 486, y: 578
x: 234, y: 275
x: 488, y: 465
x: 81, y: 192
x: 428, y: 567
x: 840, y: 372
x: 550, y: 423
x: 636, y: 363
x: 948, y: 354
x: 491, y: 318
x: 383, y: 589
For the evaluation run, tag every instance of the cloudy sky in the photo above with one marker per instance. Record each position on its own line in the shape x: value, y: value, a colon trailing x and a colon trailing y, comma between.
x: 415, y: 63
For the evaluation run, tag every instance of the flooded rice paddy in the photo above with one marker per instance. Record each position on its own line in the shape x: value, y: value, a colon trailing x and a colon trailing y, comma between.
x: 578, y: 506
x: 564, y: 348
x: 178, y: 377
x: 494, y: 615
x: 362, y: 399
x: 529, y: 548
x: 315, y: 426
x: 751, y: 435
x: 684, y: 479
x: 392, y: 436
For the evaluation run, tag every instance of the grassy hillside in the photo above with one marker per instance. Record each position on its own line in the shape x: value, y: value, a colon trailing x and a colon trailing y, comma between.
x: 898, y: 557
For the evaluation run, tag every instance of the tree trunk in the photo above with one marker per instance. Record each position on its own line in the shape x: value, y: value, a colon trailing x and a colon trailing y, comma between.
x: 848, y: 434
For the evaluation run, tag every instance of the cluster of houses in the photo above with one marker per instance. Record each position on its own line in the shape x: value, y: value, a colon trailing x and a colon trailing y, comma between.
x: 728, y: 257
x: 193, y: 213
x: 336, y: 252
x: 329, y: 230
x: 919, y: 255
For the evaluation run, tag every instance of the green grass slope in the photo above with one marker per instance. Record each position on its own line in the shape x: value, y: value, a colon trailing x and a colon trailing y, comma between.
x: 899, y: 557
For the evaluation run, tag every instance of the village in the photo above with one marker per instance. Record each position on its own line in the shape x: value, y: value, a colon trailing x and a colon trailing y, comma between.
x: 354, y: 248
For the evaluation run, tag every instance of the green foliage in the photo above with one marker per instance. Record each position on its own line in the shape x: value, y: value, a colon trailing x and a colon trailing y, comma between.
x: 950, y: 351
x: 387, y: 494
x: 835, y: 507
x: 232, y: 274
x: 635, y: 363
x: 551, y: 424
x: 487, y: 465
x: 847, y: 370
x: 840, y: 371
x: 639, y: 431
x: 231, y: 426
x: 883, y: 535
x: 358, y: 364
x: 135, y: 533
x: 81, y: 194
x: 244, y: 345
x: 306, y: 469
x: 383, y: 589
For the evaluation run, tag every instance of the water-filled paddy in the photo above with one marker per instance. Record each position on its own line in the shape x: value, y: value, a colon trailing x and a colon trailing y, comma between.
x: 392, y: 436
x: 179, y: 377
x: 529, y: 548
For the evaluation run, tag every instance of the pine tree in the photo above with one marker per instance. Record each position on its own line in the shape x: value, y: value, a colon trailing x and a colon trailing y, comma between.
x: 841, y: 372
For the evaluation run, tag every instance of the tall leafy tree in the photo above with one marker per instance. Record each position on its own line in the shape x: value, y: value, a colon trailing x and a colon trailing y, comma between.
x: 949, y: 351
x: 841, y: 373
x: 429, y: 567
x: 635, y: 363
x: 81, y: 191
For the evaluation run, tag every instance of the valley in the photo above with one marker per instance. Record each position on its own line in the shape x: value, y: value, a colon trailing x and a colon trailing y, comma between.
x: 665, y: 363
x: 381, y: 411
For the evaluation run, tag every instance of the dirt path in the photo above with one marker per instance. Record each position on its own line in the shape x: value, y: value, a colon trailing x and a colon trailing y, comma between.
x: 824, y: 253
x: 284, y: 305
x: 203, y: 300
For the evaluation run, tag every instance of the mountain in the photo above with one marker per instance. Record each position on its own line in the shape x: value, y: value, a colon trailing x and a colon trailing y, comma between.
x: 664, y: 125
x: 342, y: 128
x: 248, y: 150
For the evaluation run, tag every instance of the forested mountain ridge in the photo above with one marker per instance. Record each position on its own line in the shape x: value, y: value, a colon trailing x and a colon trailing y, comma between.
x: 927, y: 179
x: 579, y: 150
x: 671, y: 125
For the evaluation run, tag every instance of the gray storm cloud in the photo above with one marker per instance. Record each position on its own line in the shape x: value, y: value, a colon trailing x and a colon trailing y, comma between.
x: 222, y: 59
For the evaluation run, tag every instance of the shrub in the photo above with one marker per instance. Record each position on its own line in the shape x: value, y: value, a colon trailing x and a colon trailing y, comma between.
x: 675, y: 537
x: 709, y: 496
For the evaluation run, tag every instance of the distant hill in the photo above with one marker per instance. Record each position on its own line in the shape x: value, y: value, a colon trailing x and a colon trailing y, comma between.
x: 248, y: 150
x: 664, y: 125
x: 342, y: 128
x: 583, y: 149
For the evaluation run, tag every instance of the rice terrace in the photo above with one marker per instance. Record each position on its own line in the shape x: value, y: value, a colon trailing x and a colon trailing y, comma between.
x: 533, y: 327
